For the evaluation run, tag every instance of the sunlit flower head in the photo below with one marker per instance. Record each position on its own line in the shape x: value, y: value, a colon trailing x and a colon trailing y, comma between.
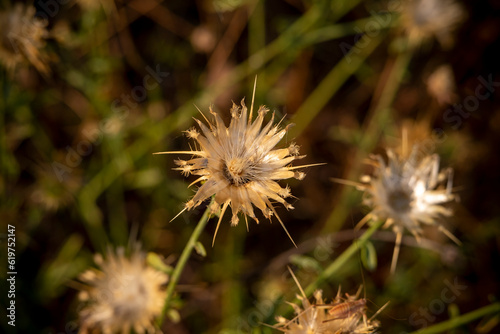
x: 240, y: 165
x: 408, y: 193
x: 124, y: 294
x: 424, y: 19
x: 341, y: 316
x: 23, y: 39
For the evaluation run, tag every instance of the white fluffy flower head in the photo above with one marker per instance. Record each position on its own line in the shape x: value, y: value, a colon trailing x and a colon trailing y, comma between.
x: 124, y: 294
x: 424, y: 19
x: 408, y: 193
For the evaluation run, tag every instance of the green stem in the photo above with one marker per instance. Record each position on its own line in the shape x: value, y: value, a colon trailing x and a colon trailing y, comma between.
x: 461, y: 320
x: 233, y: 292
x: 186, y: 253
x: 329, y: 86
x: 343, y: 258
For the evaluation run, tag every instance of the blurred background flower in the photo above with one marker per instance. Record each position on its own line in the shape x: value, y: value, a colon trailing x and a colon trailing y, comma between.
x: 23, y: 39
x: 124, y: 294
x: 424, y: 19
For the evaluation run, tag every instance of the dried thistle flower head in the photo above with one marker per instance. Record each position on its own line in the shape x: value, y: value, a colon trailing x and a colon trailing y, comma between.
x: 342, y: 316
x: 124, y: 294
x: 407, y: 193
x: 22, y: 38
x: 239, y: 165
x: 424, y: 19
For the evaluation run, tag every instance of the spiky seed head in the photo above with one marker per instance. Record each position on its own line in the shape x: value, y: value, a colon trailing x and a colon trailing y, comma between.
x: 123, y: 294
x: 239, y: 163
x: 342, y: 315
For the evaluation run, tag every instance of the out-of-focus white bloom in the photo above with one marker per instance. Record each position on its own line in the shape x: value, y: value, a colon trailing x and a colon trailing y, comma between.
x: 408, y: 193
x: 124, y: 294
x: 424, y: 19
x: 441, y: 85
x: 22, y: 38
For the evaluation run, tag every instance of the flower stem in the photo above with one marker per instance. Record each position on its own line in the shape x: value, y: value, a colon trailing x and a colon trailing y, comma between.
x: 186, y: 253
x: 343, y: 258
x: 461, y: 320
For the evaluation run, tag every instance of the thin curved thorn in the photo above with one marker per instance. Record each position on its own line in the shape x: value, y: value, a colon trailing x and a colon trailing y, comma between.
x: 202, y: 114
x: 299, y: 314
x: 253, y: 99
x: 348, y: 182
x: 362, y: 222
x: 224, y: 207
x: 450, y: 235
x: 200, y: 153
x: 177, y: 215
x: 379, y: 310
x: 196, y: 181
x: 273, y: 327
x: 404, y: 148
x: 297, y: 282
x: 304, y: 166
x: 449, y: 183
x: 279, y: 219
